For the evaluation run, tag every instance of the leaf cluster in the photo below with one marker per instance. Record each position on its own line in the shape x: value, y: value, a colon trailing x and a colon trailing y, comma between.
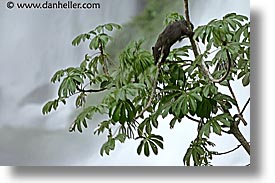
x: 180, y: 90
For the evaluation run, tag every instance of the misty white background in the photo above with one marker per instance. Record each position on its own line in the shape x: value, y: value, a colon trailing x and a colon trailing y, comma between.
x: 262, y: 115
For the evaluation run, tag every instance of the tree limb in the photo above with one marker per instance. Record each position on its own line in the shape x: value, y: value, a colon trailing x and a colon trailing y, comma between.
x: 234, y: 129
x: 193, y: 119
x: 227, y: 152
x: 246, y: 104
x: 196, y: 51
x: 90, y: 90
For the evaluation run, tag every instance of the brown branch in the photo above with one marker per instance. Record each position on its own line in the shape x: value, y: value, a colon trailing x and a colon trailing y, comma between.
x: 227, y: 152
x: 234, y: 129
x: 193, y: 119
x: 90, y: 90
x: 239, y: 115
x: 246, y: 104
x: 202, y: 66
x: 234, y: 96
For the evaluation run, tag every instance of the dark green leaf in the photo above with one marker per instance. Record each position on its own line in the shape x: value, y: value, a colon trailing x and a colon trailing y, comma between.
x: 154, y: 147
x: 160, y: 138
x: 121, y: 137
x: 216, y: 127
x: 196, y: 96
x: 185, y: 105
x: 192, y: 103
x: 200, y: 150
x: 206, y: 129
x: 187, y: 157
x: 116, y: 114
x: 109, y: 27
x: 195, y: 157
x: 159, y: 143
x: 172, y: 122
x: 146, y: 149
x: 139, y: 149
x: 246, y: 79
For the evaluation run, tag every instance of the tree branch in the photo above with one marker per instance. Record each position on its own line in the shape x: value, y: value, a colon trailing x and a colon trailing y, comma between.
x: 234, y: 129
x: 90, y: 90
x: 193, y: 119
x: 227, y: 152
x: 234, y: 96
x: 197, y: 52
x: 246, y: 104
x: 239, y: 115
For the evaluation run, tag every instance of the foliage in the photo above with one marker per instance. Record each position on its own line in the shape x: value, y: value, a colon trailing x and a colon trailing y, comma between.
x: 181, y: 91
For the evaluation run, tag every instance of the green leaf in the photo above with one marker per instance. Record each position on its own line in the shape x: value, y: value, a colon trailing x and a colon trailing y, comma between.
x: 195, y: 157
x: 158, y: 142
x: 121, y: 137
x: 200, y: 150
x: 116, y: 114
x: 198, y: 32
x: 196, y: 96
x: 112, y: 144
x: 109, y: 27
x: 57, y: 76
x: 77, y: 40
x: 246, y: 79
x: 185, y: 105
x: 99, y: 28
x: 192, y: 103
x: 117, y: 26
x: 139, y: 149
x: 204, y: 108
x: 146, y: 149
x: 160, y: 138
x: 148, y: 127
x: 172, y: 122
x: 154, y: 147
x: 154, y: 122
x: 187, y: 157
x: 206, y: 90
x: 123, y: 116
x: 141, y: 128
x: 206, y: 129
x: 79, y: 128
x: 216, y: 127
x: 94, y: 44
x: 47, y: 107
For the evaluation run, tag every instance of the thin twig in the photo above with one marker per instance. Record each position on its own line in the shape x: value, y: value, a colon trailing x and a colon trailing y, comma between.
x: 234, y: 96
x: 239, y: 115
x: 90, y: 90
x: 246, y: 104
x: 227, y: 152
x: 193, y: 119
